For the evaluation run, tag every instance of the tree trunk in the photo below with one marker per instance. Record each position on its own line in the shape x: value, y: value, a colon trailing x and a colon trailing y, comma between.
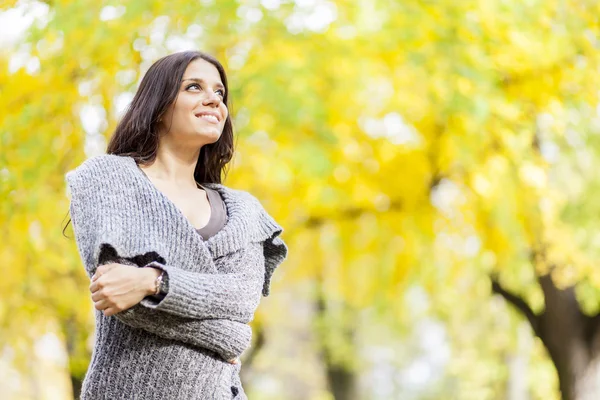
x: 580, y: 380
x: 571, y: 338
x: 76, y: 383
x: 341, y: 377
x: 342, y: 382
x: 72, y: 335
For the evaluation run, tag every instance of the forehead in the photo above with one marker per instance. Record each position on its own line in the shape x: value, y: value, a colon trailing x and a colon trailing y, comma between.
x: 202, y: 69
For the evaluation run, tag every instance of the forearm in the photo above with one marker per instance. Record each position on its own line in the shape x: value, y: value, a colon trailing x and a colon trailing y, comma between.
x: 208, y: 296
x: 227, y: 338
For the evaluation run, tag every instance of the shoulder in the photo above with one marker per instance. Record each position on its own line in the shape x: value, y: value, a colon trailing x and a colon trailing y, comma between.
x: 96, y: 168
x: 102, y: 162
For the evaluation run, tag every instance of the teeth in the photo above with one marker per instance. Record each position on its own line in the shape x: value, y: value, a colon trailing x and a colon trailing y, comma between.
x: 210, y: 117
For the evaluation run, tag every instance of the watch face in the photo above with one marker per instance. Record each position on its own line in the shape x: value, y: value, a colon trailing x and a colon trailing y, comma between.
x: 164, y: 284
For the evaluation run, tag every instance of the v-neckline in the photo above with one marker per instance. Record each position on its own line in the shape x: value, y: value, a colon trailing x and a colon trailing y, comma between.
x: 210, y: 206
x: 189, y: 225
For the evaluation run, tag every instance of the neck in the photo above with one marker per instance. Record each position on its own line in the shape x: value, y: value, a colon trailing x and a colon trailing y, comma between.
x: 174, y: 165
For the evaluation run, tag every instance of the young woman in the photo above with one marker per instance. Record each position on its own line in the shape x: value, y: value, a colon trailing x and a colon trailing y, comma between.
x: 178, y: 261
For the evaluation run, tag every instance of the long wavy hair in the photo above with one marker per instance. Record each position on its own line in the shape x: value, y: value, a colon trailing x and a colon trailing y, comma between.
x: 137, y: 134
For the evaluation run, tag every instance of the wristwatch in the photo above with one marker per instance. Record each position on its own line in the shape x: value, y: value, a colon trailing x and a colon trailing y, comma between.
x: 161, y: 283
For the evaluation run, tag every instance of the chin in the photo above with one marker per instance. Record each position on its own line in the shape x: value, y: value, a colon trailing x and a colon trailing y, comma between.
x: 216, y: 139
x: 211, y: 137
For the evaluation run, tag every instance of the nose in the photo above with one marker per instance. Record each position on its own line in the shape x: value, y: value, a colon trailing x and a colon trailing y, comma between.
x: 212, y: 98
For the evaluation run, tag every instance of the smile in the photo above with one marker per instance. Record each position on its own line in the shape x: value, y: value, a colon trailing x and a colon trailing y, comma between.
x: 209, y: 118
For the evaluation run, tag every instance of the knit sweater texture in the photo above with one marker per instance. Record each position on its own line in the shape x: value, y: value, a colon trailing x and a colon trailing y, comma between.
x: 177, y: 347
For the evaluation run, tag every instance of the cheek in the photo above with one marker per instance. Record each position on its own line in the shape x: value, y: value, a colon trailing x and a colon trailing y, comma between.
x: 183, y: 113
x: 225, y: 113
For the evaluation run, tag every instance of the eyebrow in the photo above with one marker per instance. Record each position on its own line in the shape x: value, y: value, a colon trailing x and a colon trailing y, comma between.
x: 219, y: 85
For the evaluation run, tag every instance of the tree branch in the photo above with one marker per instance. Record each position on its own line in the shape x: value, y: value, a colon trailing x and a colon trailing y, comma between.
x: 519, y: 304
x: 347, y: 214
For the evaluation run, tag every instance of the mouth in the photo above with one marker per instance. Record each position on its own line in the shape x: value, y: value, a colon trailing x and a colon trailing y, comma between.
x: 210, y: 118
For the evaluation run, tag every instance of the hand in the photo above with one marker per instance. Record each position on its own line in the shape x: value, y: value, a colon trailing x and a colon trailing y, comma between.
x: 118, y: 287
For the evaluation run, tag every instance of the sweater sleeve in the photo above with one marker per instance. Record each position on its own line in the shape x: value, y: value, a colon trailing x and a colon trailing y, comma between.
x: 233, y: 296
x: 227, y: 338
x: 275, y: 251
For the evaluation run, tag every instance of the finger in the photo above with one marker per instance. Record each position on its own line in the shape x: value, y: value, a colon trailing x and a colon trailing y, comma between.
x: 94, y: 286
x: 101, y: 305
x: 101, y: 270
x: 97, y: 296
x: 98, y: 284
x: 110, y: 311
x: 96, y: 275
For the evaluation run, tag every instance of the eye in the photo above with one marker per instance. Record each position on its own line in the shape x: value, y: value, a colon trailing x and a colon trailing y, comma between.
x: 197, y: 86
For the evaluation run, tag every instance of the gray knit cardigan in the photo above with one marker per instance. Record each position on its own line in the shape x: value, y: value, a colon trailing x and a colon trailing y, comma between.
x: 175, y: 348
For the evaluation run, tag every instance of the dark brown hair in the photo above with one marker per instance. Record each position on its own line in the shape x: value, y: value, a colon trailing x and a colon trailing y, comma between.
x: 137, y: 133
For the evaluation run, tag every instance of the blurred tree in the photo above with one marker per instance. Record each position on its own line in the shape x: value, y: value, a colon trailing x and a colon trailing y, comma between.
x: 438, y: 143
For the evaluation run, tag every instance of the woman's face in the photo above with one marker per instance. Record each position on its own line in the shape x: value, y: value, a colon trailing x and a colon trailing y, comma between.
x: 198, y: 114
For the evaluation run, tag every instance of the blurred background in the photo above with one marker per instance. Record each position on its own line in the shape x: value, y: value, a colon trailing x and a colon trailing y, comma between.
x: 434, y: 165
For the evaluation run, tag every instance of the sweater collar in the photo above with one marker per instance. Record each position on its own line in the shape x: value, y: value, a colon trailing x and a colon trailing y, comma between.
x: 246, y: 219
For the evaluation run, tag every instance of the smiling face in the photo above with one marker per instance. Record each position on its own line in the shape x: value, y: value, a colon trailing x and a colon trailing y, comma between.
x: 198, y: 115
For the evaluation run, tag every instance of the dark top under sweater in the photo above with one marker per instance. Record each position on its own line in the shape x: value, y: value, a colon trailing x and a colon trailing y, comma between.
x: 218, y: 214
